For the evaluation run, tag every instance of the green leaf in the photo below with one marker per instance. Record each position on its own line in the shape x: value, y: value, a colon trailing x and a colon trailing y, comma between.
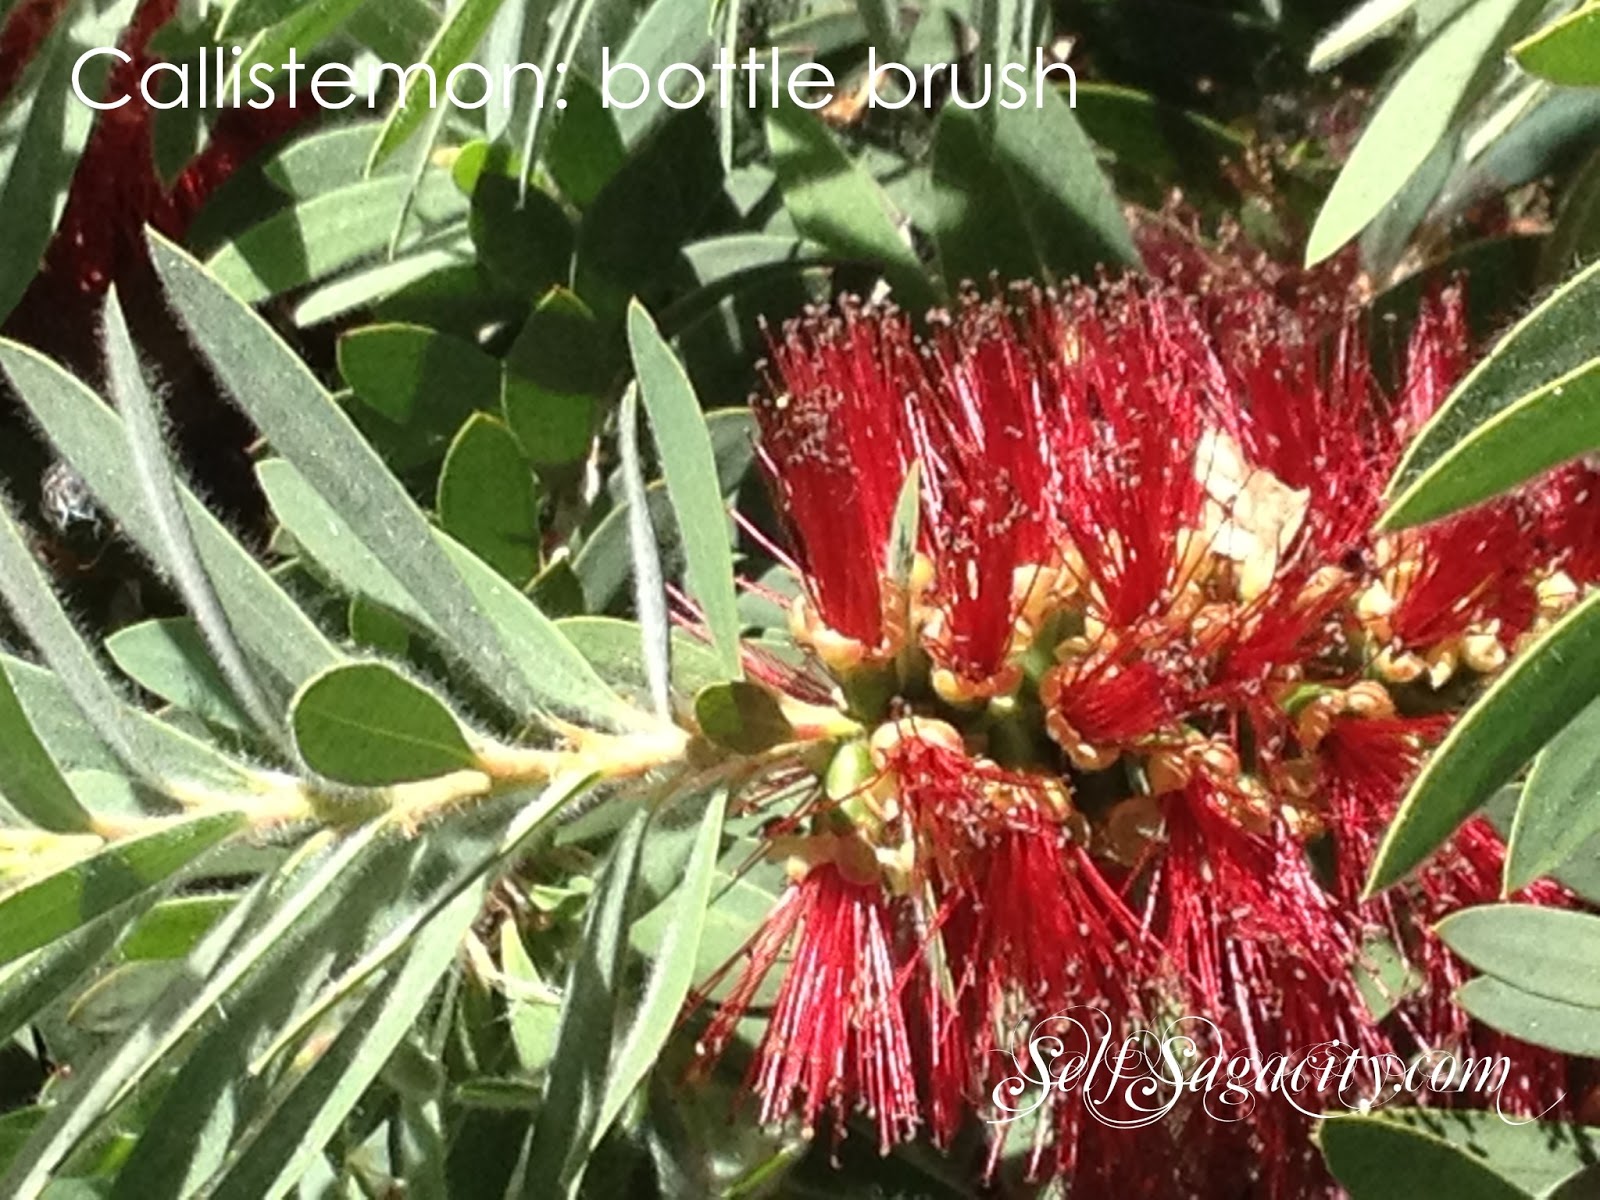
x: 28, y: 594
x: 1412, y: 117
x: 302, y: 29
x: 614, y: 647
x: 1548, y: 952
x: 1539, y: 430
x: 838, y: 205
x: 452, y: 45
x: 173, y: 927
x: 34, y: 983
x: 573, y: 1089
x: 302, y: 422
x: 630, y: 238
x: 1566, y: 51
x: 523, y: 236
x: 489, y: 499
x: 1575, y: 240
x: 275, y: 1151
x: 118, y: 998
x: 649, y: 585
x: 368, y: 725
x: 555, y: 373
x: 1359, y: 28
x: 30, y: 781
x: 1545, y: 686
x: 80, y: 752
x: 315, y: 238
x: 1567, y: 1028
x: 1558, y: 340
x: 45, y: 909
x: 1560, y: 806
x: 673, y: 973
x: 169, y: 659
x: 568, y: 684
x: 1378, y: 1159
x: 741, y: 717
x: 322, y: 161
x: 90, y: 436
x: 1020, y: 193
x: 43, y: 129
x: 604, y: 564
x: 687, y: 461
x: 1534, y: 1155
x: 585, y: 148
x: 142, y: 417
x: 418, y: 377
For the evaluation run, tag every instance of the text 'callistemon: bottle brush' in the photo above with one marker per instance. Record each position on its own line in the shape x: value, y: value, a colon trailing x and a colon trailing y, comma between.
x: 1142, y: 690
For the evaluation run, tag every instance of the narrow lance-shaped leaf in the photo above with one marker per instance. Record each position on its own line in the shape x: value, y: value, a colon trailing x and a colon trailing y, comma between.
x: 222, y: 959
x: 452, y: 45
x: 33, y: 603
x: 302, y: 422
x: 44, y: 909
x: 91, y: 437
x: 148, y: 451
x: 1408, y: 123
x: 572, y: 1098
x: 275, y: 1151
x: 1559, y: 810
x: 673, y: 973
x: 681, y: 438
x: 649, y: 589
x: 30, y: 780
x: 1544, y: 688
x: 837, y: 204
x: 1558, y: 338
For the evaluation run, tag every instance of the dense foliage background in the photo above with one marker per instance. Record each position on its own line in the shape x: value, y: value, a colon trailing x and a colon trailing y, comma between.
x: 220, y: 975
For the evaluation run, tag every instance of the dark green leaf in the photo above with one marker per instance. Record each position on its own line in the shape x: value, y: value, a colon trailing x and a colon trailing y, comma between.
x: 30, y: 780
x: 41, y: 911
x: 1566, y: 51
x: 1020, y: 193
x: 522, y: 237
x: 585, y: 149
x: 838, y: 205
x: 368, y: 725
x: 489, y: 498
x: 742, y: 717
x: 555, y: 374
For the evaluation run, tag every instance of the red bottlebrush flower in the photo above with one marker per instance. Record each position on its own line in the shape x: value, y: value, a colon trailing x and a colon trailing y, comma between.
x: 1134, y: 723
x: 837, y: 1036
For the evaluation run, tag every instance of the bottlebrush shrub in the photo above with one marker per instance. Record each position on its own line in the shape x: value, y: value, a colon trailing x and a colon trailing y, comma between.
x: 1100, y: 692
